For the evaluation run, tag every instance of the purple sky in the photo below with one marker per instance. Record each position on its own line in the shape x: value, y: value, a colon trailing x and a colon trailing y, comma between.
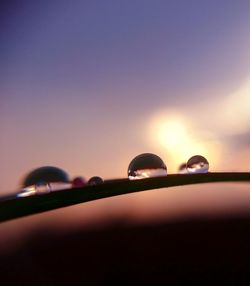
x: 80, y: 80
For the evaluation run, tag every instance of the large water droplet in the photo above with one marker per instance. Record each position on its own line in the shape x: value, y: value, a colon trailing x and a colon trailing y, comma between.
x: 43, y: 180
x: 95, y: 181
x: 46, y: 174
x: 146, y: 165
x: 197, y: 164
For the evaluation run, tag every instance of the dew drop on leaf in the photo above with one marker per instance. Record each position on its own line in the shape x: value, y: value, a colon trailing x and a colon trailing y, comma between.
x: 197, y: 164
x: 46, y: 174
x: 95, y: 181
x: 78, y: 182
x: 44, y: 180
x: 146, y: 165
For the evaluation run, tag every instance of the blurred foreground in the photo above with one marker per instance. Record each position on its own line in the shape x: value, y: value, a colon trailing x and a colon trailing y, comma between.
x: 196, y: 251
x: 196, y: 233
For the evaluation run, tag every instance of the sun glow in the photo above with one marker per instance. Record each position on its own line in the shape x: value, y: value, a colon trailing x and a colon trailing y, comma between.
x: 173, y: 132
x: 176, y: 136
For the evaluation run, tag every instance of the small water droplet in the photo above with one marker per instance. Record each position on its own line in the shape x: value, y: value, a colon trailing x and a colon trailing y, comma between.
x: 183, y: 169
x: 197, y: 164
x: 146, y: 165
x: 78, y: 182
x: 95, y: 181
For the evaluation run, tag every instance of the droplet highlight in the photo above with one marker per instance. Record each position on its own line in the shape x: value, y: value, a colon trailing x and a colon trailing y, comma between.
x: 26, y: 192
x: 197, y: 164
x: 146, y: 165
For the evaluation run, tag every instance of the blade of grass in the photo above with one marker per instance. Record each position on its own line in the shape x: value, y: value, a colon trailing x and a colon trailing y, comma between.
x: 12, y: 207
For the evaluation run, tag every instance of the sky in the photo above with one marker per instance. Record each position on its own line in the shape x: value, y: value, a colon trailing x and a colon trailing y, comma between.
x: 88, y: 85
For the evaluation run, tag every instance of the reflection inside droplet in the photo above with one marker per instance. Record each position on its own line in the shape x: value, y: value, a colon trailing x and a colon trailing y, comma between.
x: 146, y: 165
x: 42, y: 188
x: 96, y: 180
x: 197, y: 164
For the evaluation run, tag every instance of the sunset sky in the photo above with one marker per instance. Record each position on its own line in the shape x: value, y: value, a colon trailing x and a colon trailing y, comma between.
x: 88, y: 85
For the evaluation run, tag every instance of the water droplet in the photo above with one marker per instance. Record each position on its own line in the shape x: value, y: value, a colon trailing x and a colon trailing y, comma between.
x: 46, y: 174
x: 197, y: 164
x: 78, y: 182
x: 146, y: 165
x: 95, y: 181
x: 183, y: 169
